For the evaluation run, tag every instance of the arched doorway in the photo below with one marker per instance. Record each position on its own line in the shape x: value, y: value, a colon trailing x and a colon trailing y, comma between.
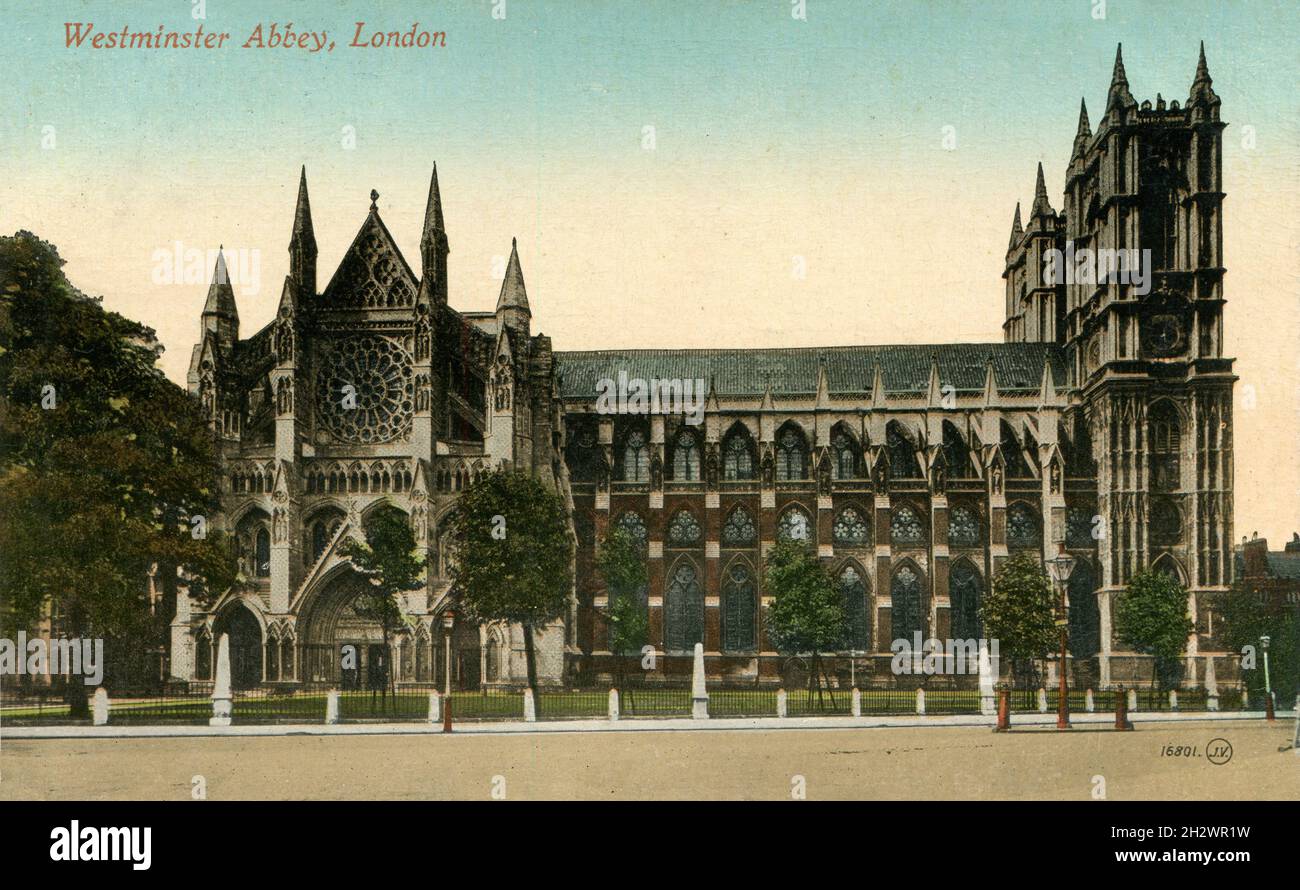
x: 245, y: 646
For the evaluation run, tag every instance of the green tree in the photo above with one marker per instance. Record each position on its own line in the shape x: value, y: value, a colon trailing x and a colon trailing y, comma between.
x: 514, y: 555
x: 107, y: 469
x: 807, y: 611
x: 1151, y: 616
x: 389, y: 560
x: 1245, y: 615
x: 1018, y: 613
x: 620, y: 561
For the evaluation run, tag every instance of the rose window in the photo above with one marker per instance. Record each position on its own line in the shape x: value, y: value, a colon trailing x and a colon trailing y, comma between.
x: 364, y: 390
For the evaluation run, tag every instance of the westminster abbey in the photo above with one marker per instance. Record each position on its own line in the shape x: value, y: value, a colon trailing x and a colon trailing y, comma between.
x: 1100, y: 426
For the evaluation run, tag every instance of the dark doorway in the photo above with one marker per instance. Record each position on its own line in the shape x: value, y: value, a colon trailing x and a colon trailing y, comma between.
x: 376, y: 667
x: 245, y: 647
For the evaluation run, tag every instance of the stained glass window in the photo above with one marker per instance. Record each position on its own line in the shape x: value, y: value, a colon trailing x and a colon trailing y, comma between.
x: 738, y: 460
x: 684, y: 608
x: 905, y: 526
x: 963, y: 527
x: 364, y: 389
x: 739, y: 531
x: 902, y: 456
x: 686, y: 458
x: 634, y: 525
x: 683, y: 530
x: 636, y: 458
x: 850, y: 529
x: 791, y: 456
x: 905, y: 594
x: 845, y: 456
x: 853, y: 592
x: 1022, y: 526
x: 964, y: 592
x: 738, y: 607
x: 794, y: 526
x: 1078, y: 527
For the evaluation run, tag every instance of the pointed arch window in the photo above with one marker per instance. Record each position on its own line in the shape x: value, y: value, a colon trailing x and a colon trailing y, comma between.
x: 853, y: 593
x: 1166, y: 445
x: 794, y: 525
x: 905, y: 596
x: 850, y: 529
x: 1078, y: 527
x: 1166, y: 522
x: 738, y: 457
x: 686, y: 458
x: 262, y: 553
x: 636, y: 458
x: 1023, y: 529
x: 905, y: 526
x: 902, y: 455
x: 739, y: 530
x: 739, y: 603
x: 846, y: 455
x: 963, y: 527
x: 684, y: 608
x: 683, y: 530
x: 965, y: 591
x: 791, y: 456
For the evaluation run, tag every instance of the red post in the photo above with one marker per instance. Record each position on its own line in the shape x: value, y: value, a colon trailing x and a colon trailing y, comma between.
x: 1004, y: 710
x: 1063, y: 690
x: 1268, y: 706
x: 446, y: 714
x: 1122, y: 723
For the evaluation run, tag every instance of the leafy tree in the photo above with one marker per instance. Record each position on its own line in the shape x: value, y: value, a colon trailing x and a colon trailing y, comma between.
x: 107, y: 469
x: 1018, y: 613
x: 807, y: 611
x: 1151, y: 616
x: 391, y: 563
x: 514, y: 555
x: 620, y: 561
x: 1244, y: 616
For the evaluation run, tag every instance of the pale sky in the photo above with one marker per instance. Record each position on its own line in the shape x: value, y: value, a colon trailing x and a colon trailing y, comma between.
x: 775, y: 142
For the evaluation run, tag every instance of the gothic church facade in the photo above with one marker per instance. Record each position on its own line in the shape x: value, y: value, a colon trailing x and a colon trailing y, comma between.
x: 1100, y: 427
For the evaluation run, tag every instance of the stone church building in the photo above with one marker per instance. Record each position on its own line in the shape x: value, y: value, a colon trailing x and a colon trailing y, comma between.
x: 1101, y: 426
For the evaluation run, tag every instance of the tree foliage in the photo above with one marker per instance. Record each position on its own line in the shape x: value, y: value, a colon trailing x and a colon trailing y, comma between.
x: 1244, y: 617
x: 1151, y: 616
x: 807, y: 611
x: 104, y: 463
x: 620, y: 560
x: 1018, y: 611
x: 513, y: 557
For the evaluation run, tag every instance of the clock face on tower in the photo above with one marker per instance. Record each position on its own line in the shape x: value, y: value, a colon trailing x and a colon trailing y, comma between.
x: 364, y: 390
x: 1164, y: 334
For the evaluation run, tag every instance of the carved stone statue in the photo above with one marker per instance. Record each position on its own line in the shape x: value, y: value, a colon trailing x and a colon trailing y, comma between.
x: 995, y: 479
x: 1055, y: 478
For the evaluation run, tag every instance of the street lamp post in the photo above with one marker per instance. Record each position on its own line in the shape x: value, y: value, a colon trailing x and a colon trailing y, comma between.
x: 1268, y: 686
x: 448, y: 618
x: 1060, y: 568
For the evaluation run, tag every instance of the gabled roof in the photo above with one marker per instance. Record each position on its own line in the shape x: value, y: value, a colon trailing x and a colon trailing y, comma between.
x: 849, y: 369
x: 373, y: 273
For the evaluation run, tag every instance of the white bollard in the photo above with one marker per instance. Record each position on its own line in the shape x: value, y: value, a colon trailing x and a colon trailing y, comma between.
x: 613, y: 704
x: 1089, y: 703
x: 1211, y: 685
x: 1042, y: 700
x: 920, y: 701
x: 1132, y: 700
x: 99, y: 707
x: 1173, y: 699
x: 222, y: 701
x: 530, y: 706
x: 435, y: 707
x: 988, y: 702
x: 699, y: 693
x: 332, y: 706
x: 857, y: 702
x: 780, y: 703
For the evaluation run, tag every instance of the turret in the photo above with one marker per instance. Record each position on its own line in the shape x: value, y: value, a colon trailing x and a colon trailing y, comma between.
x: 302, y: 244
x: 219, y: 313
x: 512, y: 304
x: 433, y: 248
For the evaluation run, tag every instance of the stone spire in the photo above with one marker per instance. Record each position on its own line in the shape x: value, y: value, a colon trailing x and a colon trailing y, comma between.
x: 221, y: 297
x: 434, y: 247
x: 302, y: 243
x: 1119, y: 94
x: 1017, y: 230
x: 512, y: 302
x: 1202, y: 88
x: 1042, y: 206
x: 1083, y: 134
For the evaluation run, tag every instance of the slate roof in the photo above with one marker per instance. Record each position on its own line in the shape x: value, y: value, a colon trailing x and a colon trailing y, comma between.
x: 1285, y: 565
x: 849, y: 369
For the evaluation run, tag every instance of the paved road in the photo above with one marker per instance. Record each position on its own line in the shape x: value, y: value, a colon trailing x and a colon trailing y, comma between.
x: 938, y: 764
